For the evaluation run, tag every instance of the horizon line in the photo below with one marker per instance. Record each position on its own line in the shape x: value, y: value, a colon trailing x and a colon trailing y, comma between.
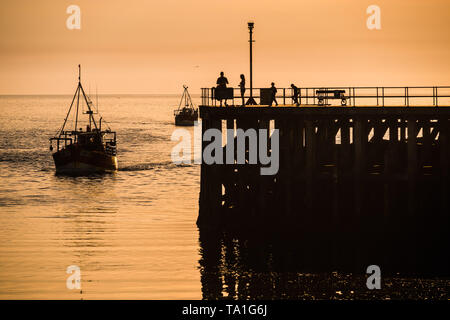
x: 100, y: 94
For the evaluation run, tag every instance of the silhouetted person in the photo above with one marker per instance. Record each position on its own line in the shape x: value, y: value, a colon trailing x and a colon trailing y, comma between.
x: 221, y: 86
x: 273, y: 94
x: 242, y: 86
x: 294, y: 94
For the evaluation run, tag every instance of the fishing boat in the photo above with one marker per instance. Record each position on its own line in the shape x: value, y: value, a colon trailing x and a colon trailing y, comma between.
x: 79, y: 151
x: 186, y: 114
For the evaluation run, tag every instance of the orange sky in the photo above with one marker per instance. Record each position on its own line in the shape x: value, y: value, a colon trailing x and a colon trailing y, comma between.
x: 148, y: 46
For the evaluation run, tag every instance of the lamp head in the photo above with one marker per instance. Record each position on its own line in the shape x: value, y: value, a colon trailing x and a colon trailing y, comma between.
x: 251, y: 25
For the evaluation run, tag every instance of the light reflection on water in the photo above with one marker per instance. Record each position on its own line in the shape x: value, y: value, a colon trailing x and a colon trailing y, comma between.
x: 254, y: 263
x: 133, y: 233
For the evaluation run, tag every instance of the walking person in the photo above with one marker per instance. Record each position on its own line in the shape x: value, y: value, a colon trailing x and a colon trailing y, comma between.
x: 221, y: 86
x: 242, y: 86
x: 294, y: 95
x: 273, y: 94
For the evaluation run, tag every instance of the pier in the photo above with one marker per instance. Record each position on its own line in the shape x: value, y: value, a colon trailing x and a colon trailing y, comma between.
x: 370, y: 171
x: 352, y: 163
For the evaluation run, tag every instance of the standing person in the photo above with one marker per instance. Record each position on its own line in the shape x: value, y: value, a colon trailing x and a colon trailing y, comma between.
x: 221, y: 86
x: 273, y: 94
x: 294, y: 94
x: 242, y: 86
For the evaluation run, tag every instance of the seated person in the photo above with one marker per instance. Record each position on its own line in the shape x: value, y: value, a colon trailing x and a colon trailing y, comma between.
x: 221, y: 85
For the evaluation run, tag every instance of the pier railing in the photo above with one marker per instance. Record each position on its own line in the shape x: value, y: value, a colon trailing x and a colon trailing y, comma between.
x: 338, y: 96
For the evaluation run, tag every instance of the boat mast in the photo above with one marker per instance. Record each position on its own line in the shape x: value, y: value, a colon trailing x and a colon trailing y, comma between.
x: 89, y: 112
x: 78, y: 97
x: 182, y: 97
x: 189, y: 98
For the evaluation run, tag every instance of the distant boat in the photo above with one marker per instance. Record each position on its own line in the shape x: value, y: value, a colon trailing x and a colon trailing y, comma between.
x: 84, y: 152
x: 186, y: 114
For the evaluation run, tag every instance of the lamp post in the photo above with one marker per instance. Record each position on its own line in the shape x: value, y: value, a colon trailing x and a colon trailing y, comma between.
x: 251, y: 101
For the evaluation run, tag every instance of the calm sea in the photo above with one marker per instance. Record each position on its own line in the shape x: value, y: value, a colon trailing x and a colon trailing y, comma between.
x: 133, y: 234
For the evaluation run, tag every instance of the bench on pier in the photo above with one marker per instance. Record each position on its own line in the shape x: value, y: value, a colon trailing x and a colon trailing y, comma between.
x: 222, y: 93
x: 325, y: 94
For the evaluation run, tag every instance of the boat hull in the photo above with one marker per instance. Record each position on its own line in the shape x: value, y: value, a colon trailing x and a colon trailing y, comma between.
x: 183, y: 120
x: 75, y: 160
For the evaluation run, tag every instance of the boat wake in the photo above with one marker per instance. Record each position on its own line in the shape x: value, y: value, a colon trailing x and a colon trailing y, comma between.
x: 153, y: 166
